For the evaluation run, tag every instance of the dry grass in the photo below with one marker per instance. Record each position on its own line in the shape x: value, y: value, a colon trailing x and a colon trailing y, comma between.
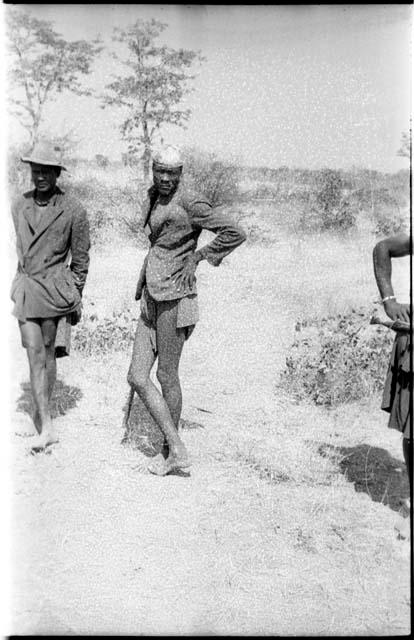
x: 275, y: 532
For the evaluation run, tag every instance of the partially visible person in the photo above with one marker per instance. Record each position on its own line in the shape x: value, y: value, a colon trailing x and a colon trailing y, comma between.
x: 52, y: 244
x: 174, y: 217
x: 398, y: 390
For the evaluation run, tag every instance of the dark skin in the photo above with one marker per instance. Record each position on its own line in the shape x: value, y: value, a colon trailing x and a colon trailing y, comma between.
x: 165, y: 407
x: 44, y: 178
x: 38, y: 335
x: 166, y: 181
x: 396, y: 246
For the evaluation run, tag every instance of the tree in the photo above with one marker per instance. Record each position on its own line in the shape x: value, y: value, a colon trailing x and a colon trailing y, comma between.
x: 405, y: 150
x: 215, y: 178
x: 154, y: 88
x: 44, y: 65
x: 101, y: 160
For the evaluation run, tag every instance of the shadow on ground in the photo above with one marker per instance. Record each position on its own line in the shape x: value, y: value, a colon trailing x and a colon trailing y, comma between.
x: 373, y: 471
x: 142, y: 432
x: 64, y: 398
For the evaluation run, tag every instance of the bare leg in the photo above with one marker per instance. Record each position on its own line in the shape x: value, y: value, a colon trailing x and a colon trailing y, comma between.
x: 32, y: 339
x: 408, y: 459
x: 49, y: 327
x: 127, y: 414
x: 403, y: 524
x: 170, y: 342
x: 143, y: 358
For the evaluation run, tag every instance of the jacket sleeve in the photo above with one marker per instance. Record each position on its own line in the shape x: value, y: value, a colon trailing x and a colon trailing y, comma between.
x: 80, y: 245
x: 141, y: 279
x: 229, y: 235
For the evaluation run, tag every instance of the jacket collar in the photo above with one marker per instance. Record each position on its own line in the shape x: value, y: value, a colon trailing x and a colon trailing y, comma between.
x: 51, y: 211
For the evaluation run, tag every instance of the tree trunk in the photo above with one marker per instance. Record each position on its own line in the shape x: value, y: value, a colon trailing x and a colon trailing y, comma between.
x: 146, y: 156
x: 34, y: 135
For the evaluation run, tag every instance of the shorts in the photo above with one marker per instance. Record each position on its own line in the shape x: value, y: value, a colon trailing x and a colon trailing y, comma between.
x: 187, y: 314
x: 398, y: 388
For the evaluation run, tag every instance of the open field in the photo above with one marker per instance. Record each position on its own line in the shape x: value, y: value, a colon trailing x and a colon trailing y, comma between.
x: 285, y: 525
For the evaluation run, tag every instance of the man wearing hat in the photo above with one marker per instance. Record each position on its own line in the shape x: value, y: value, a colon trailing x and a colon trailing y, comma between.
x: 173, y: 219
x: 52, y: 243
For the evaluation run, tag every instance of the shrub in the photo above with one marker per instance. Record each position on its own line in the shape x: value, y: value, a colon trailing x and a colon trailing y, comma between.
x: 101, y: 160
x: 95, y: 336
x: 337, y: 359
x: 388, y: 222
x: 111, y: 209
x: 214, y: 178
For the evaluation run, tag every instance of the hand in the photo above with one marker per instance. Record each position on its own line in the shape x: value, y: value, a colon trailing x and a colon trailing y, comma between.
x: 397, y: 311
x: 184, y: 278
x: 76, y: 315
x: 138, y: 291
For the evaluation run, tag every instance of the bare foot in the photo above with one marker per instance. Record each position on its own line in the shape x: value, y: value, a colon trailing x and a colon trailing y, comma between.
x: 161, y: 467
x: 43, y: 440
x: 36, y: 421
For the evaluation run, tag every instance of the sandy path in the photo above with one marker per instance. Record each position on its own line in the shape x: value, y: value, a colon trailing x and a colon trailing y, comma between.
x: 103, y: 547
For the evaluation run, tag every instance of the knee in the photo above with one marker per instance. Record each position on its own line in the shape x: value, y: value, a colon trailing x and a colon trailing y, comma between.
x: 49, y: 343
x: 136, y: 379
x: 167, y: 378
x: 36, y: 354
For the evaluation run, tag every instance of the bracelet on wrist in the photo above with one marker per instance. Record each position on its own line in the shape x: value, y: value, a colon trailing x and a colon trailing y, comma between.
x: 388, y: 298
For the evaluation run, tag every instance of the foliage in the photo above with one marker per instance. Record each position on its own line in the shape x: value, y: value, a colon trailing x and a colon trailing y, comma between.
x: 154, y: 88
x: 101, y: 160
x: 112, y: 209
x: 337, y: 359
x: 386, y: 223
x: 97, y: 336
x: 44, y: 65
x: 211, y: 176
x: 332, y: 205
x: 17, y: 172
x: 405, y: 150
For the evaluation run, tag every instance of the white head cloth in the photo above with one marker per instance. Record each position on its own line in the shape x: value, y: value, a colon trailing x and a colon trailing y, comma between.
x: 169, y: 157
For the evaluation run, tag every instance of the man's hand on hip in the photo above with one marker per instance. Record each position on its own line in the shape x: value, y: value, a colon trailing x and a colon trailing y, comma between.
x: 185, y: 277
x: 397, y: 311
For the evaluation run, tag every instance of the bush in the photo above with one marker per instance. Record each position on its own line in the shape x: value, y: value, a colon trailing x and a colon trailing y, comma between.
x: 333, y: 205
x: 112, y: 210
x: 337, y: 359
x: 214, y: 178
x: 95, y: 336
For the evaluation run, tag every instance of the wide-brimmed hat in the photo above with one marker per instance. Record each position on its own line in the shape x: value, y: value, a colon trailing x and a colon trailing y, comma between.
x: 46, y: 153
x: 169, y: 157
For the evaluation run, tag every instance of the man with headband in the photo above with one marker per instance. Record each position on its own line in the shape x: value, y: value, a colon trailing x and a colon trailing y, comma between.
x: 174, y: 217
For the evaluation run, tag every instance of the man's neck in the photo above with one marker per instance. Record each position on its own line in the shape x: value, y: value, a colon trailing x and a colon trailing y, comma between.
x: 44, y: 196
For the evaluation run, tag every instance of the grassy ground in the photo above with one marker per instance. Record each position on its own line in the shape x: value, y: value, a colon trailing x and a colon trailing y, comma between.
x: 285, y: 525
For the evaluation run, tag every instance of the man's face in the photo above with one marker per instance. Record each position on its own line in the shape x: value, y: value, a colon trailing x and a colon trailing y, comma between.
x: 166, y: 180
x: 44, y: 177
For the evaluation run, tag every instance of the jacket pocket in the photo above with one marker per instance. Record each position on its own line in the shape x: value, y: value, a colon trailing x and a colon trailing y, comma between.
x: 14, y: 286
x: 66, y: 288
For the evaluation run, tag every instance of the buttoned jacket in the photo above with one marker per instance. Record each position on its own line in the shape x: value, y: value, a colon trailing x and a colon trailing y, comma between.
x: 173, y: 226
x: 53, y: 256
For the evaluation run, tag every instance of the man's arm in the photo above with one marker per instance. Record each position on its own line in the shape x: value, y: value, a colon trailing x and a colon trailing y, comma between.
x: 80, y: 245
x: 228, y: 236
x: 396, y: 246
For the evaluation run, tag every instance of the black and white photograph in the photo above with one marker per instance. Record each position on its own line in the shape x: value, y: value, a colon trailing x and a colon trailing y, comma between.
x: 207, y: 321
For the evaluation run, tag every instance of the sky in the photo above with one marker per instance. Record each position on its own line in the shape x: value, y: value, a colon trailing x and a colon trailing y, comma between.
x: 303, y: 86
